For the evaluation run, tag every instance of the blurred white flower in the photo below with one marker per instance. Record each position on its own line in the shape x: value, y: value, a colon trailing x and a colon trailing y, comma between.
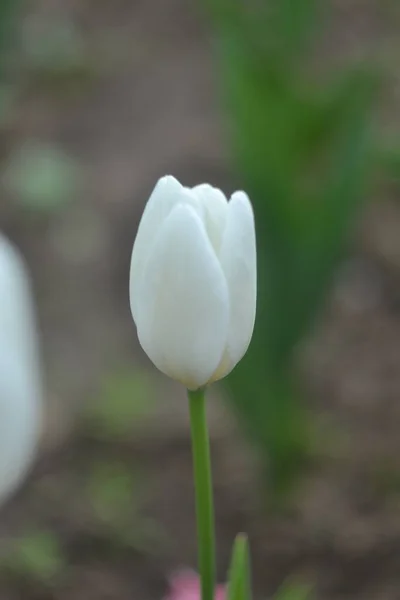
x: 20, y: 376
x: 193, y: 281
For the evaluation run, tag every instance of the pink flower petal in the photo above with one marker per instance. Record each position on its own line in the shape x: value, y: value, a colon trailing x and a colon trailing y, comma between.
x: 185, y: 585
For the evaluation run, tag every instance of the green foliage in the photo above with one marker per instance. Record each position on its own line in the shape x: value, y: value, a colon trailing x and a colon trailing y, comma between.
x: 55, y: 47
x: 303, y: 152
x: 114, y: 492
x: 389, y: 160
x: 41, y: 177
x: 9, y: 12
x: 125, y: 398
x: 239, y: 586
x: 7, y: 100
x: 37, y: 556
x: 239, y: 580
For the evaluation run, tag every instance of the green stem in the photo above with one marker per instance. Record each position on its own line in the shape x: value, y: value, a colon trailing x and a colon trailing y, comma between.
x: 203, y: 489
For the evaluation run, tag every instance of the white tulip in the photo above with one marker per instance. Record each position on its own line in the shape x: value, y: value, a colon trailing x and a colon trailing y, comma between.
x: 193, y: 281
x: 20, y: 377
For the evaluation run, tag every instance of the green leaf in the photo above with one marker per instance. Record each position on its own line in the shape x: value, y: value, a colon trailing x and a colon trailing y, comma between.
x: 239, y: 587
x: 290, y: 27
x: 302, y: 152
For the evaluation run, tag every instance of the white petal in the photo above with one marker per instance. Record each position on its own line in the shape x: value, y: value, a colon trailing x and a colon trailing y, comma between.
x: 183, y: 310
x: 167, y: 194
x: 20, y: 376
x: 238, y: 261
x: 20, y: 424
x: 18, y: 330
x: 215, y: 208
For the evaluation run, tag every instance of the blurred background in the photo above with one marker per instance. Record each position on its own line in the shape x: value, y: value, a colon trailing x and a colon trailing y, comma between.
x: 296, y: 102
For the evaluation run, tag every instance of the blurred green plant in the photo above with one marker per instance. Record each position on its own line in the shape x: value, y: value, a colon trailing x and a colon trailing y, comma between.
x: 239, y: 585
x: 115, y: 494
x: 41, y: 177
x: 303, y: 152
x: 7, y: 103
x: 9, y: 19
x: 114, y: 490
x: 35, y: 556
x: 389, y: 160
x: 55, y: 54
x: 294, y: 591
x: 9, y: 13
x: 54, y: 46
x: 124, y: 399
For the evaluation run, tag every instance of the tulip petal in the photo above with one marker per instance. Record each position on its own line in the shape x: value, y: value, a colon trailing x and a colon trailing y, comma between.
x: 167, y: 194
x: 21, y: 391
x: 238, y: 261
x: 18, y: 329
x: 215, y: 207
x: 20, y: 423
x: 183, y: 310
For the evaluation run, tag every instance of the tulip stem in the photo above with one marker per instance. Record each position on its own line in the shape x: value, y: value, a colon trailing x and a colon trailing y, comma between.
x: 203, y: 490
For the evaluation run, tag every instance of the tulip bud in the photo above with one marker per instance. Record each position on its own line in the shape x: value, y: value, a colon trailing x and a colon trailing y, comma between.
x: 193, y: 281
x: 20, y: 378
